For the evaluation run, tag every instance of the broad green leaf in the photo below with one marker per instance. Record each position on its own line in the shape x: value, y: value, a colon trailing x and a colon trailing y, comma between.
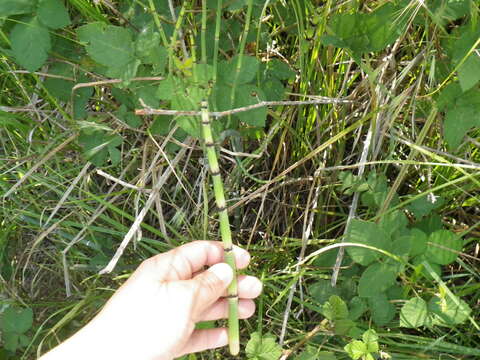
x: 382, y: 310
x: 343, y: 326
x: 16, y: 7
x: 370, y: 338
x: 424, y: 205
x: 393, y: 222
x: 167, y: 88
x: 11, y: 341
x: 125, y: 72
x: 458, y: 121
x: 262, y: 347
x: 447, y: 312
x: 445, y: 11
x: 322, y: 290
x: 279, y: 69
x: 377, y: 278
x: 335, y: 308
x: 414, y: 313
x: 367, y: 233
x: 357, y: 307
x: 417, y: 261
x: 447, y: 250
x: 418, y: 242
x: 469, y: 72
x: 109, y: 45
x: 98, y: 147
x: 16, y: 320
x: 30, y: 43
x: 128, y: 117
x: 356, y: 349
x: 80, y: 98
x: 53, y: 14
x: 430, y: 224
x: 60, y: 88
x: 227, y: 72
x: 148, y: 48
x: 246, y: 95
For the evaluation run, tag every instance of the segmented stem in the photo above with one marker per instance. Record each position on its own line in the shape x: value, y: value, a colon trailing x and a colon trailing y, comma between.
x: 233, y: 330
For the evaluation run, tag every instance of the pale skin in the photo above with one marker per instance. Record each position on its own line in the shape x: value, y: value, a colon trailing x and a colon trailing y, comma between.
x: 152, y: 316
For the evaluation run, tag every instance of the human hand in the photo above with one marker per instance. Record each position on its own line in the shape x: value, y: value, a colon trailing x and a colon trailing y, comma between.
x: 153, y: 314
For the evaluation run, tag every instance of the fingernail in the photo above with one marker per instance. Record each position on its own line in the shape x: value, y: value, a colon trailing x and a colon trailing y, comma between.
x: 223, y: 272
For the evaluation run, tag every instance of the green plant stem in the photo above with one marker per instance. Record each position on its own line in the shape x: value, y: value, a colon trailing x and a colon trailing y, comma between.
x: 233, y: 329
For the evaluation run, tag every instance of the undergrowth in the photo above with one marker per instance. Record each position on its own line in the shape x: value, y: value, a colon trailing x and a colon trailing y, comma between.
x: 354, y: 185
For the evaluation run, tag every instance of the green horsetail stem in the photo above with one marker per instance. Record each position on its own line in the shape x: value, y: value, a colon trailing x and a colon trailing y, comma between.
x: 233, y: 330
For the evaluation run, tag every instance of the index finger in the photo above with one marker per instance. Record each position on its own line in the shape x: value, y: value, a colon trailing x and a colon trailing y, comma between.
x: 182, y: 262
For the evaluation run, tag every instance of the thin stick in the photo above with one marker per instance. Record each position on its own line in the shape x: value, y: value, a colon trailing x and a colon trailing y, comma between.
x: 219, y: 114
x: 233, y: 329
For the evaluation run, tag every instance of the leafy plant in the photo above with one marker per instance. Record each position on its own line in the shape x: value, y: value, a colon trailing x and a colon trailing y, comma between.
x: 262, y: 347
x: 14, y: 323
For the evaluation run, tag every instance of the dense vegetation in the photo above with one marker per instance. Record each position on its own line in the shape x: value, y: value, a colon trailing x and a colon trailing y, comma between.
x: 354, y: 183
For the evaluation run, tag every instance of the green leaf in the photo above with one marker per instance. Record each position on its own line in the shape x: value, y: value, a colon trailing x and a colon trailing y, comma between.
x: 357, y: 308
x: 148, y: 48
x: 382, y: 310
x: 418, y: 242
x: 335, y: 308
x: 109, y: 45
x: 393, y: 222
x: 280, y: 70
x: 322, y: 290
x: 367, y: 233
x: 377, y: 278
x: 430, y: 224
x: 370, y: 338
x: 30, y: 43
x: 458, y: 121
x: 343, y: 326
x: 356, y: 349
x: 11, y: 341
x: 311, y: 354
x: 262, y: 347
x: 16, y: 320
x: 53, y: 14
x: 447, y: 311
x: 81, y: 98
x: 15, y: 7
x: 246, y: 95
x: 469, y: 72
x: 227, y: 72
x: 449, y: 245
x: 422, y: 270
x: 414, y: 313
x: 425, y: 205
x: 60, y: 88
x: 99, y: 147
x: 128, y: 117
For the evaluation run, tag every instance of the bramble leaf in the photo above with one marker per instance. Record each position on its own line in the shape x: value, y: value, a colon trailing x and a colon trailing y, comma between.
x: 377, y: 278
x: 447, y: 311
x: 109, y: 45
x: 262, y: 347
x: 414, y: 313
x: 356, y: 349
x: 382, y: 310
x: 16, y: 320
x: 53, y: 14
x: 447, y: 250
x: 367, y: 233
x: 30, y: 44
x: 335, y: 308
x: 15, y: 7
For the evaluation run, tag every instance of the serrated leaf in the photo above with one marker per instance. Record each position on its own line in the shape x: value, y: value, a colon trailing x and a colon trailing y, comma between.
x: 322, y: 290
x: 370, y: 338
x: 418, y: 241
x: 447, y: 311
x: 367, y: 233
x: 262, y: 347
x: 393, y: 222
x: 357, y: 308
x: 53, y: 14
x: 447, y: 250
x: 30, y: 43
x: 60, y: 88
x: 424, y: 205
x: 469, y: 72
x: 109, y: 45
x: 15, y: 7
x: 80, y: 99
x: 246, y: 95
x: 377, y: 278
x: 343, y: 326
x: 279, y: 70
x: 229, y: 71
x: 458, y: 121
x: 356, y: 349
x: 16, y: 320
x: 314, y: 355
x: 11, y: 341
x: 430, y: 224
x: 414, y: 313
x: 382, y: 310
x: 335, y: 308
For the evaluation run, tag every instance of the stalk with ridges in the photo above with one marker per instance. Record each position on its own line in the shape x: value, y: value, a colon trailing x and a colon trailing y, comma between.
x: 233, y: 330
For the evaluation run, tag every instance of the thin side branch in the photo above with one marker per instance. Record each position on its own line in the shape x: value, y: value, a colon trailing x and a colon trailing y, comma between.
x: 219, y: 114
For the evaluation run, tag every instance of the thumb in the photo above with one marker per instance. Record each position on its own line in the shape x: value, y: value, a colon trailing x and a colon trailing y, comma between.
x: 210, y: 286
